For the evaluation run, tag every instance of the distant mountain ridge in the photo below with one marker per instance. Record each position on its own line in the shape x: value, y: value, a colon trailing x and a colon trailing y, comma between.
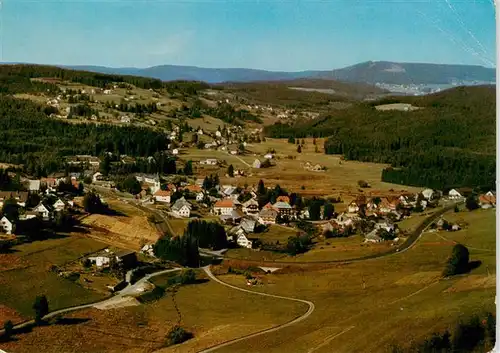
x: 370, y: 72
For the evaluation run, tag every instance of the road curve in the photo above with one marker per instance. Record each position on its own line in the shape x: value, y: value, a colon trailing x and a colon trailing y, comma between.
x: 124, y: 292
x: 410, y: 242
x: 273, y: 329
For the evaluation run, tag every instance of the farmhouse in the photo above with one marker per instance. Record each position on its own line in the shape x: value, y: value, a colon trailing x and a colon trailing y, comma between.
x: 34, y: 185
x: 83, y: 159
x: 248, y: 225
x: 244, y: 242
x: 283, y: 208
x: 97, y: 177
x: 7, y: 225
x: 59, y: 205
x: 43, y: 209
x: 209, y: 161
x: 162, y: 196
x: 454, y: 194
x: 251, y: 207
x: 182, y: 208
x: 200, y: 196
x: 268, y: 216
x: 256, y: 164
x: 224, y: 207
x: 487, y: 201
x: 428, y: 194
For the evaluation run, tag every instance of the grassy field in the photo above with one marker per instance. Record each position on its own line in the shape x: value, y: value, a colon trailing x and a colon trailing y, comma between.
x: 340, y: 178
x: 21, y: 285
x: 402, y: 298
x: 323, y: 250
x: 178, y: 225
x: 212, y: 312
x: 276, y: 233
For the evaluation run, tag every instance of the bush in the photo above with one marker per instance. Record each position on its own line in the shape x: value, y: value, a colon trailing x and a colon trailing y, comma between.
x: 188, y: 276
x: 178, y: 335
x: 458, y: 262
x: 363, y: 184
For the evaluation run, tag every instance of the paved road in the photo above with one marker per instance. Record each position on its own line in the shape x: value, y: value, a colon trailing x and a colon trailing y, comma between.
x: 273, y: 329
x: 409, y: 243
x: 127, y: 291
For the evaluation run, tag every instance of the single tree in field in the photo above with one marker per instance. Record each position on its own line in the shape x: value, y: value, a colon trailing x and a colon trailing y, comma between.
x: 299, y: 149
x: 458, y: 262
x: 303, y: 142
x: 188, y: 168
x: 41, y: 307
x: 230, y: 171
x: 314, y: 141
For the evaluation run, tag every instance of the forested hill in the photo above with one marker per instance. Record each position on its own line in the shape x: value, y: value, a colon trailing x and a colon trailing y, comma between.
x: 449, y: 141
x: 16, y: 78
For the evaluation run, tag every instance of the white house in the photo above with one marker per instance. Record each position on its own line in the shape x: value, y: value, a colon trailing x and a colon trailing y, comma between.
x: 268, y: 156
x: 43, y: 210
x: 244, y: 242
x: 428, y: 193
x: 251, y: 207
x: 353, y: 207
x: 209, y: 161
x: 162, y: 196
x: 218, y: 134
x: 59, y: 205
x: 175, y: 151
x: 200, y: 196
x: 454, y: 194
x: 224, y: 207
x: 6, y: 225
x: 256, y: 164
x: 125, y: 119
x: 34, y: 185
x: 97, y: 177
x: 182, y: 208
x: 200, y: 132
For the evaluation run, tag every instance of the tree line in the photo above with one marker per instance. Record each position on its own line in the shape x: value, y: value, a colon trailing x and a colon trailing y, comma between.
x: 449, y: 142
x: 29, y: 138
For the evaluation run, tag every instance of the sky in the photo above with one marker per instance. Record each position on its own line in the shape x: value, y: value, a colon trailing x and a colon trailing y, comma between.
x: 270, y: 35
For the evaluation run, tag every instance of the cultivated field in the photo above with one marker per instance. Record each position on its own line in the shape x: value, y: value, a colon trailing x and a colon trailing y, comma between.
x: 129, y: 229
x: 366, y: 306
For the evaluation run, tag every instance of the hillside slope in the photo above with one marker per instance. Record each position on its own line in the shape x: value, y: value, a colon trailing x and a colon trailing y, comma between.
x: 449, y: 141
x: 367, y: 72
x: 411, y: 73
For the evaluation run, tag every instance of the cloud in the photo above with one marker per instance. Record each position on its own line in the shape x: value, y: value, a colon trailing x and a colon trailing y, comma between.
x: 173, y: 45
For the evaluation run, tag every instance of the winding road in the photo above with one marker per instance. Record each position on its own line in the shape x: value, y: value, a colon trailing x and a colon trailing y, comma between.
x: 404, y: 247
x: 272, y: 329
x: 409, y: 243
